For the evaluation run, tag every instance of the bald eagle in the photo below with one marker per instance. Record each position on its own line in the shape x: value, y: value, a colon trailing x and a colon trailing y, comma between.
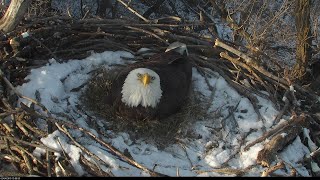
x: 154, y: 88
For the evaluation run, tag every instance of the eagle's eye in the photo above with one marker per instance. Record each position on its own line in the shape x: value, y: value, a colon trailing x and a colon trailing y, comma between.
x: 139, y: 75
x: 153, y: 78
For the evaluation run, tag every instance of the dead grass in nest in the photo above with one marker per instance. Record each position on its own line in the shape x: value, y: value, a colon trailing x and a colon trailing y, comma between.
x: 162, y: 133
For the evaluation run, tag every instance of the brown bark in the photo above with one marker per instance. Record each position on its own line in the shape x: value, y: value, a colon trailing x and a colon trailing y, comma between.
x: 303, y: 52
x: 14, y: 14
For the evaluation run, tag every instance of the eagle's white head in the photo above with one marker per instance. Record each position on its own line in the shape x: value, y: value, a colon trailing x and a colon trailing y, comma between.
x: 178, y: 47
x: 142, y: 86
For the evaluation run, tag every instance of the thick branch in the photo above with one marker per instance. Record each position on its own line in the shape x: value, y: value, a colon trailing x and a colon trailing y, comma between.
x: 278, y: 142
x: 14, y: 14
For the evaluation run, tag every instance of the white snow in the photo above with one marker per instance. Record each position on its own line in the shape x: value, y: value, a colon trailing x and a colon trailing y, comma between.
x: 314, y: 166
x: 58, y: 141
x: 220, y: 140
x: 293, y: 154
x: 292, y: 88
x: 311, y: 144
x: 25, y: 34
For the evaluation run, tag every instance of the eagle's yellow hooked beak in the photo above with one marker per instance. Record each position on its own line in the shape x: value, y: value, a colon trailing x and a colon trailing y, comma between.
x: 146, y: 78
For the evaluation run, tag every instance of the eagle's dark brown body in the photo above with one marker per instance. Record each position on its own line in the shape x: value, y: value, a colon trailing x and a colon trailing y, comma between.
x: 175, y: 71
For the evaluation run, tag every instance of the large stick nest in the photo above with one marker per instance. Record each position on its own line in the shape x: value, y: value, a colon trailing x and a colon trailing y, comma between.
x: 64, y: 38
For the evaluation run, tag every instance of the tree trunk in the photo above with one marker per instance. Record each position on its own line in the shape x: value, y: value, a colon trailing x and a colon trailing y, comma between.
x: 14, y: 14
x: 153, y: 8
x: 303, y: 52
x: 102, y: 7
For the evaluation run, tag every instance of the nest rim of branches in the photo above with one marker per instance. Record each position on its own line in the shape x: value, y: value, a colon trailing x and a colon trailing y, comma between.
x: 52, y: 38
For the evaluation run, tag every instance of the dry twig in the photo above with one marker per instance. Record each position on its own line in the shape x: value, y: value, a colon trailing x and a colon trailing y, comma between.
x: 267, y: 172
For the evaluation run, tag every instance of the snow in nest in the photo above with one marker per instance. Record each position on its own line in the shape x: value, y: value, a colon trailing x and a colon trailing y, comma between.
x: 218, y: 138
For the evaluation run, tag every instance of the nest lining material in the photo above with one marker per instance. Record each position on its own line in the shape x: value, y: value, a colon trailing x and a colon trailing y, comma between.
x: 162, y: 133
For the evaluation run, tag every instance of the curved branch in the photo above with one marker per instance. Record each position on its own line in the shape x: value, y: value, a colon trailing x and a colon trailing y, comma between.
x: 14, y: 14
